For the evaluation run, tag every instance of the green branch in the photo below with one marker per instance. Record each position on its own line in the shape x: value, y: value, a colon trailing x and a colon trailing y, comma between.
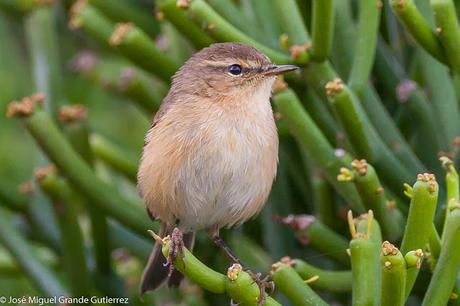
x: 11, y: 198
x: 237, y: 283
x: 322, y: 29
x: 73, y: 248
x: 310, y: 231
x: 373, y: 196
x: 76, y: 130
x: 125, y: 11
x: 131, y: 41
x: 289, y: 282
x: 413, y: 21
x: 81, y: 175
x: 221, y: 30
x: 116, y: 157
x: 393, y: 267
x: 363, y: 136
x: 323, y: 201
x: 446, y: 271
x: 365, y: 260
x: 334, y: 281
x: 193, y: 32
x: 315, y: 144
x: 424, y: 196
x: 291, y: 21
x: 41, y: 276
x: 40, y: 29
x: 368, y: 26
x: 448, y: 30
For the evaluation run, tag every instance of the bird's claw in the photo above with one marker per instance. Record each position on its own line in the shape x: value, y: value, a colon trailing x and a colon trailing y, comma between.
x: 177, y: 245
x: 262, y: 283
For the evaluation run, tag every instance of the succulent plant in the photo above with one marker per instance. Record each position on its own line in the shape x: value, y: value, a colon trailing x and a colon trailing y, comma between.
x: 370, y: 126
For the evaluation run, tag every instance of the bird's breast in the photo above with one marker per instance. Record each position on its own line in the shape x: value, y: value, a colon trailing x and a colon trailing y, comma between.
x: 215, y: 167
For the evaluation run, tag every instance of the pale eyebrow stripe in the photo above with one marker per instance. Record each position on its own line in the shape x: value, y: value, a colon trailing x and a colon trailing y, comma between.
x: 224, y: 66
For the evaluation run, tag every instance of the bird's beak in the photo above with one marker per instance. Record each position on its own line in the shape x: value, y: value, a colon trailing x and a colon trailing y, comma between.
x: 276, y: 70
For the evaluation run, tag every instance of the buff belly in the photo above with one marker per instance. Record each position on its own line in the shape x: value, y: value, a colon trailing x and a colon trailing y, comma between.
x: 219, y: 176
x: 223, y: 187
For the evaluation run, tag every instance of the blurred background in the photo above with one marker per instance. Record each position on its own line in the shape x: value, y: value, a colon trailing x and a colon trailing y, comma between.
x: 79, y: 228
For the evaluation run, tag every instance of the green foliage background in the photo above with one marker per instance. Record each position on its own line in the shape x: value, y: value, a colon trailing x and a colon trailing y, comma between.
x: 378, y: 81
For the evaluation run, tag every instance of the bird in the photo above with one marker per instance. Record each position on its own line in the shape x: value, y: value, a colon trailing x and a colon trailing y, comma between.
x: 210, y: 156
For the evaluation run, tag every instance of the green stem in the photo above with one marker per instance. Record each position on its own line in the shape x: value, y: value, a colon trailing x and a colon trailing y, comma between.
x: 267, y: 18
x: 244, y: 291
x: 41, y: 276
x: 74, y: 260
x: 121, y: 237
x: 276, y: 237
x: 374, y: 108
x: 335, y: 281
x: 446, y: 20
x: 365, y: 263
x: 291, y: 21
x: 393, y: 267
x: 139, y: 88
x: 389, y: 132
x: 353, y: 121
x: 364, y: 138
x: 446, y: 271
x: 77, y: 134
x: 40, y: 29
x: 233, y: 14
x: 342, y: 52
x: 452, y: 186
x: 187, y: 27
x: 82, y: 177
x: 369, y: 20
x: 221, y: 30
x: 241, y: 288
x: 373, y: 196
x: 322, y: 29
x: 311, y: 231
x: 9, y: 266
x: 289, y: 282
x: 11, y: 198
x: 435, y: 246
x: 119, y: 78
x: 20, y: 7
x: 117, y: 158
x: 141, y: 50
x: 321, y: 115
x: 323, y: 201
x: 131, y: 41
x: 315, y: 144
x: 438, y: 83
x: 124, y: 11
x: 424, y: 196
x: 418, y: 27
x: 179, y: 48
x: 413, y: 101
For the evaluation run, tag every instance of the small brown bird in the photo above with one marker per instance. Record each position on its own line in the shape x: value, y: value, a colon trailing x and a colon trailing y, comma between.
x: 211, y: 154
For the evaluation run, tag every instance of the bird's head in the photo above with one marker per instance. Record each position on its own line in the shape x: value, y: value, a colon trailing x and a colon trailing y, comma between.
x: 227, y: 69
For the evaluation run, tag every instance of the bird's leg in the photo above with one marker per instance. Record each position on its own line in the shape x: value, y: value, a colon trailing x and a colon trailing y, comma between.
x: 177, y: 245
x: 262, y: 283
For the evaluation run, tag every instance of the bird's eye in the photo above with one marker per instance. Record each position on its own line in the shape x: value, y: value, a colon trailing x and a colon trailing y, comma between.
x: 235, y: 69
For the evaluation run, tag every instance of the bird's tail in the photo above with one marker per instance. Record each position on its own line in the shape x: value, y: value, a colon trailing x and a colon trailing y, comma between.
x: 156, y: 270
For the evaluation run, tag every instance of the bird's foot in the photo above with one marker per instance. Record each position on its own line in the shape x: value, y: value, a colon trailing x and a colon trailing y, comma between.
x: 177, y: 245
x: 263, y: 283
